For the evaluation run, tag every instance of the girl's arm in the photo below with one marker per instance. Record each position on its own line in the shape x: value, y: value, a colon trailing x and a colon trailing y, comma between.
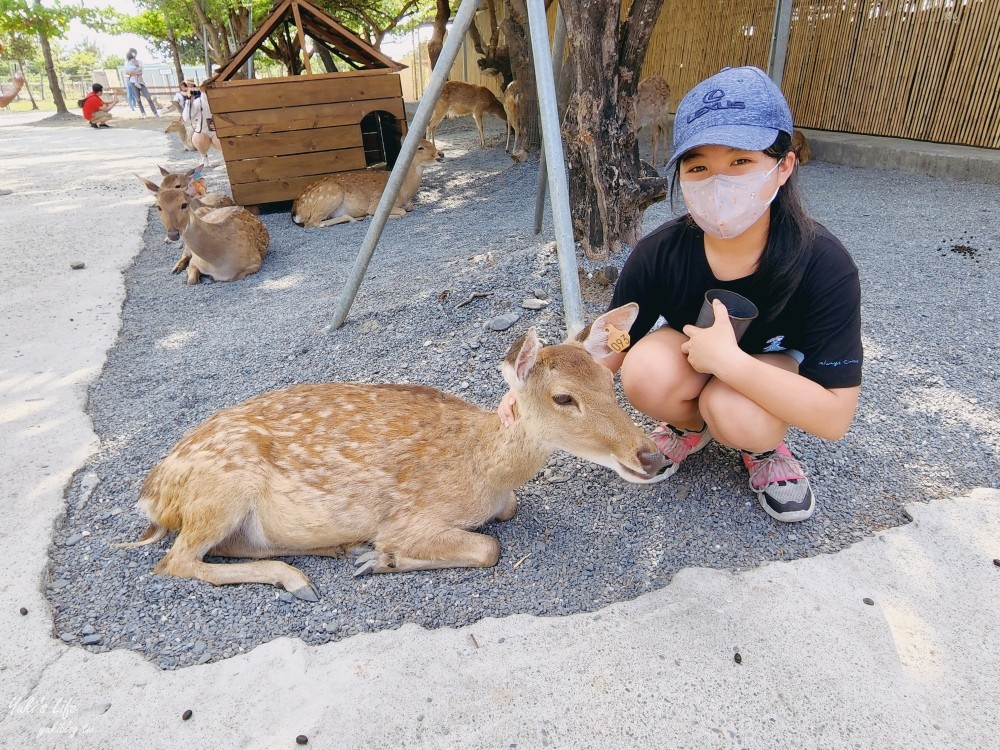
x: 792, y: 398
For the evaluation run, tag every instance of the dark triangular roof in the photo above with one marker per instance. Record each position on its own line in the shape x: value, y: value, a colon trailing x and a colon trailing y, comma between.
x: 316, y: 23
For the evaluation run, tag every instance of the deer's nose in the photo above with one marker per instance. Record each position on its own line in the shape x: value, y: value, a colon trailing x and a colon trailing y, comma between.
x: 651, y: 461
x: 174, y: 235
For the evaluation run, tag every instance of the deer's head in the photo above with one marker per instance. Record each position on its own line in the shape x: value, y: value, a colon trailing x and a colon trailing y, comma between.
x: 173, y: 205
x: 568, y: 399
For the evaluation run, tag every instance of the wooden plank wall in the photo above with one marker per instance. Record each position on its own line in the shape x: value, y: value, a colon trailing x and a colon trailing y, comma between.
x: 280, y: 134
x: 919, y: 69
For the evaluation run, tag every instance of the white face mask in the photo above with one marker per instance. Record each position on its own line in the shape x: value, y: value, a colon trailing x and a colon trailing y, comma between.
x: 725, y: 206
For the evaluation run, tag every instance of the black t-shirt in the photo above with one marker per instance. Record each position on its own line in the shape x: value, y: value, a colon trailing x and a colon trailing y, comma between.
x: 668, y: 274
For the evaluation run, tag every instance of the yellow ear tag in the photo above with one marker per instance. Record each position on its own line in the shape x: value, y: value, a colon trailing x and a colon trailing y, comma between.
x: 618, y: 341
x: 199, y: 186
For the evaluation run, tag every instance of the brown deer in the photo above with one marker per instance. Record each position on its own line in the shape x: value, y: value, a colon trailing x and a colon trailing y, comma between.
x: 206, y: 201
x: 178, y: 127
x: 349, y: 196
x: 324, y: 469
x: 227, y: 243
x: 183, y: 179
x: 652, y: 109
x: 801, y: 147
x: 512, y: 106
x: 459, y: 99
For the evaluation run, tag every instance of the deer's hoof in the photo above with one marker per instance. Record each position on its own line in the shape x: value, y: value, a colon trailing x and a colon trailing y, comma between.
x: 307, y: 593
x: 366, y: 562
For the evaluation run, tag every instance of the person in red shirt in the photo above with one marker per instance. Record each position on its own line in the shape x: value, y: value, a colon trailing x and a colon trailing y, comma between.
x: 95, y: 109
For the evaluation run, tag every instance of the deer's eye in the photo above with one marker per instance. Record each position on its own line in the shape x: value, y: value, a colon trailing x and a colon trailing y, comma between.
x: 183, y: 206
x: 564, y: 399
x: 158, y: 208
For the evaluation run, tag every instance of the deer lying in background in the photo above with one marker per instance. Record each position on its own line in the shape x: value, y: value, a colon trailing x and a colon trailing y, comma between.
x: 322, y: 469
x: 178, y: 127
x: 801, y: 147
x: 227, y: 243
x: 652, y: 109
x: 459, y: 99
x: 349, y: 196
x: 183, y: 179
x: 512, y: 106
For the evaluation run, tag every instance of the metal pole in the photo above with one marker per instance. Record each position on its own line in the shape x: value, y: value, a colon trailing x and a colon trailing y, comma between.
x: 250, y: 34
x: 555, y: 166
x: 558, y: 48
x: 415, y: 134
x: 779, y: 41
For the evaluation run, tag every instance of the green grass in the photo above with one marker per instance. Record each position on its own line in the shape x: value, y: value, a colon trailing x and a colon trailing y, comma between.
x: 48, y: 105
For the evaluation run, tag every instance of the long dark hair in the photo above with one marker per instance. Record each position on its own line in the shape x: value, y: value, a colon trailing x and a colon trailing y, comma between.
x: 789, y: 237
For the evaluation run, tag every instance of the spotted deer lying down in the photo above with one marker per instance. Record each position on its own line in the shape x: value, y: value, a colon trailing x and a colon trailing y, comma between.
x: 207, y: 201
x: 325, y: 469
x: 349, y: 196
x: 227, y: 243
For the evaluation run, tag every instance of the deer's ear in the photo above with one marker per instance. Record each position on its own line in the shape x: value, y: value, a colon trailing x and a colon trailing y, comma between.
x: 163, y: 171
x: 194, y: 170
x: 521, y: 357
x: 595, y: 338
x: 151, y: 186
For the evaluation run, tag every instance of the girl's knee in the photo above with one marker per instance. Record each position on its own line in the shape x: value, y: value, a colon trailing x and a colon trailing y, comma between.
x: 737, y: 422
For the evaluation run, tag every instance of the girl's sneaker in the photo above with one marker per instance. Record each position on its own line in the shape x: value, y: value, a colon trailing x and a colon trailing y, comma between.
x: 676, y: 445
x: 780, y: 483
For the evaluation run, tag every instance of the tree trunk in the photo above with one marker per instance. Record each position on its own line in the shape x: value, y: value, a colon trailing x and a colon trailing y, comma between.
x: 515, y: 30
x: 27, y: 87
x: 50, y: 72
x: 440, y: 26
x: 174, y: 52
x: 608, y: 192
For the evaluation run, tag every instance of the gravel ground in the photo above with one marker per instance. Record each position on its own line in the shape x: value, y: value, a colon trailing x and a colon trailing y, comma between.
x: 927, y: 426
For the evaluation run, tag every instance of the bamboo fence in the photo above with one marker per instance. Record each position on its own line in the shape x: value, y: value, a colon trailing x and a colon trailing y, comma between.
x: 926, y: 70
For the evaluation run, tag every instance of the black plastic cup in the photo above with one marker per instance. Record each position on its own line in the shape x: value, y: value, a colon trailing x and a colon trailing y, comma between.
x: 741, y: 310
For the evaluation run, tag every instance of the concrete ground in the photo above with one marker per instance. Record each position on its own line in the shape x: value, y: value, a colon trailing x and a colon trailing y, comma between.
x: 821, y: 668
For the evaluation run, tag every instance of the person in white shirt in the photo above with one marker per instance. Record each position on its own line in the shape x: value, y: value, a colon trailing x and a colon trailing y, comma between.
x: 133, y: 72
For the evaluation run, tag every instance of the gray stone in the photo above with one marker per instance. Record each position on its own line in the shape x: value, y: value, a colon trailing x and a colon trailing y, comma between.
x: 534, y: 304
x: 540, y: 293
x: 87, y: 630
x: 92, y: 640
x: 68, y: 637
x: 73, y: 540
x: 503, y: 322
x: 286, y: 597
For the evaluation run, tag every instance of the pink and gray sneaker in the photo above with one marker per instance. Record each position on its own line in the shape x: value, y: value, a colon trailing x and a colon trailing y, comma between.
x: 676, y: 445
x: 780, y: 483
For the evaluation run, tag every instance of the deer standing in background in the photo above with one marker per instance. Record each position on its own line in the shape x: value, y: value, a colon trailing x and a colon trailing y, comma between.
x: 512, y: 106
x: 323, y: 469
x: 227, y: 243
x: 459, y: 99
x: 652, y: 109
x: 349, y: 196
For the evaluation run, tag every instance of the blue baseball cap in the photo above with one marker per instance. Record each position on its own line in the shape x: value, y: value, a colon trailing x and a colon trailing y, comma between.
x: 737, y: 107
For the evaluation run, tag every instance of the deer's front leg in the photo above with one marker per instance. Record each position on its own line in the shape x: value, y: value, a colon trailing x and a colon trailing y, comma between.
x: 183, y: 262
x: 454, y: 548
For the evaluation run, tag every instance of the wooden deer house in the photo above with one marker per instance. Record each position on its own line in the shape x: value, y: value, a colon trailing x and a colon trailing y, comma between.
x: 341, y: 107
